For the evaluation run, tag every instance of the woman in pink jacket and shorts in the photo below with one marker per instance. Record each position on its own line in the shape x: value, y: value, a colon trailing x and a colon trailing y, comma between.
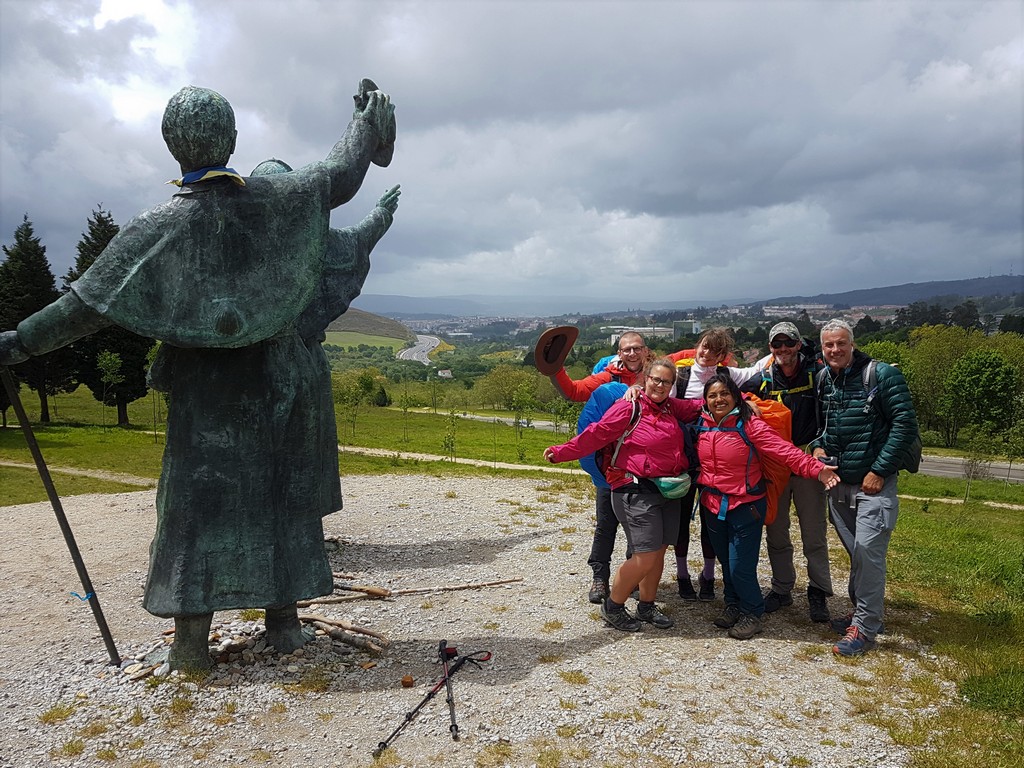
x: 652, y: 448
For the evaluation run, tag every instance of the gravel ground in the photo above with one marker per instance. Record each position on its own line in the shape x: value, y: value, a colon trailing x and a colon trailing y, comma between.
x: 561, y: 689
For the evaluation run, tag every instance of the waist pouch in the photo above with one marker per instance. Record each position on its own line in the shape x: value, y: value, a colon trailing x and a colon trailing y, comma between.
x: 672, y: 487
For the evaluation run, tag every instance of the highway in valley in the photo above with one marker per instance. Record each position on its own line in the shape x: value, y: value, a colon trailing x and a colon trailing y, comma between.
x: 420, y: 353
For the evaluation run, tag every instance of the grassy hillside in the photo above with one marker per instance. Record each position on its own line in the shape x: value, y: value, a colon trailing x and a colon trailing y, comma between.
x: 357, y: 321
x: 352, y: 339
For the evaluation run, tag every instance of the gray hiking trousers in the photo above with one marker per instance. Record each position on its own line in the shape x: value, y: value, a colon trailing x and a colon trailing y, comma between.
x: 865, y: 523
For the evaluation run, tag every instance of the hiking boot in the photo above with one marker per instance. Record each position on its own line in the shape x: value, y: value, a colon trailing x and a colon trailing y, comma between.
x: 774, y: 600
x: 707, y: 589
x: 841, y: 624
x: 729, y: 617
x: 651, y: 614
x: 746, y: 627
x: 817, y: 608
x: 620, y: 619
x: 854, y: 643
x: 686, y: 588
x: 598, y: 591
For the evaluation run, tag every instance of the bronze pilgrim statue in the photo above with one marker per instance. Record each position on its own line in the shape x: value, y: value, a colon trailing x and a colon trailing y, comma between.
x: 238, y: 277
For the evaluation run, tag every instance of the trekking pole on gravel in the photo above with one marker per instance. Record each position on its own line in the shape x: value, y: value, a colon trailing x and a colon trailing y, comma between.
x: 58, y: 510
x: 446, y: 653
x: 475, y: 658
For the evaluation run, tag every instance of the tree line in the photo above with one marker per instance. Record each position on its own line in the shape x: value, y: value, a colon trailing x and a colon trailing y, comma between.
x: 112, y: 363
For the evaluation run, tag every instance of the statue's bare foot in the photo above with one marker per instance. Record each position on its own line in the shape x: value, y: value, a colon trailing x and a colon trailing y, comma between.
x: 191, y: 649
x: 284, y: 630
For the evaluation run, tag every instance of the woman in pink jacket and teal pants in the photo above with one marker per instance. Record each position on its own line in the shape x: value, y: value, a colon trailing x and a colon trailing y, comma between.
x: 732, y: 497
x: 652, y: 449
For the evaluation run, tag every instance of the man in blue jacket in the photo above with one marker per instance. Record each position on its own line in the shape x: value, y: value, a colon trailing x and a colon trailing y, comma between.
x: 870, y: 430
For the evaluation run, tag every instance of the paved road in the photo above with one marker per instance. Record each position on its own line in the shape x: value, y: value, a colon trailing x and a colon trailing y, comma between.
x: 953, y: 466
x: 424, y: 346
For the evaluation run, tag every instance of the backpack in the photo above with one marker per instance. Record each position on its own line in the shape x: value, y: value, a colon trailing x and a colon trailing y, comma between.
x: 774, y: 473
x: 869, y: 378
x: 601, y: 399
x: 601, y: 364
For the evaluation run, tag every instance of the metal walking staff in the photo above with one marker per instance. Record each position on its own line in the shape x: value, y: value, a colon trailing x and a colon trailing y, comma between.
x: 62, y: 520
x: 449, y: 653
x: 445, y: 653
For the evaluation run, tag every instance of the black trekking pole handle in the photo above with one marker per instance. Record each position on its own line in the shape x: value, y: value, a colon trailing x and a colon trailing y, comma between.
x: 58, y: 510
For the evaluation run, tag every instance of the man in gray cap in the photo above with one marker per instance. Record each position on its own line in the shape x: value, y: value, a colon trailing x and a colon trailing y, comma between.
x: 790, y: 380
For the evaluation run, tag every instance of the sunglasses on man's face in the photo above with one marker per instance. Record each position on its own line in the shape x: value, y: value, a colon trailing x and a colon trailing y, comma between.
x: 787, y: 343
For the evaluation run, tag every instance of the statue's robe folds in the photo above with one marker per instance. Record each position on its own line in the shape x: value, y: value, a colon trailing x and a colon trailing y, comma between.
x: 239, y: 283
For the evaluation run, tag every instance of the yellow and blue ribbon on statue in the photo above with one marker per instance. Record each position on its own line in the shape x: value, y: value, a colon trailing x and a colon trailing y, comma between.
x: 205, y: 174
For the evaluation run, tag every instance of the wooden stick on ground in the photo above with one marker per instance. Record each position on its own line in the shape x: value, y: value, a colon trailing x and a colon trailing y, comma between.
x: 343, y: 624
x: 395, y: 592
x: 348, y: 638
x: 340, y: 575
x: 372, y: 591
x: 453, y: 587
x: 330, y: 599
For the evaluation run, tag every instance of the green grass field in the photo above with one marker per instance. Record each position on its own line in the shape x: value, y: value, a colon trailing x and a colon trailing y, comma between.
x: 349, y: 339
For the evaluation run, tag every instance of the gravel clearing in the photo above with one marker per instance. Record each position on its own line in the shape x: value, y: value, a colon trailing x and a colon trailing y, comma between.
x: 562, y: 689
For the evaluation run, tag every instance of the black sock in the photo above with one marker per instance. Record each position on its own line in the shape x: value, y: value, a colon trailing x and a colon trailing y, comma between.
x: 645, y: 605
x: 611, y: 606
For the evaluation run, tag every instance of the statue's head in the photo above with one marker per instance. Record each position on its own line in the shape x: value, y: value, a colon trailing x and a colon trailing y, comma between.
x: 271, y: 166
x: 199, y: 128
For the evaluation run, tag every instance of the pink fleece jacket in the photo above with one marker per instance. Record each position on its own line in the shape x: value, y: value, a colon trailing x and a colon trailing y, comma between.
x: 653, y: 449
x: 723, y: 458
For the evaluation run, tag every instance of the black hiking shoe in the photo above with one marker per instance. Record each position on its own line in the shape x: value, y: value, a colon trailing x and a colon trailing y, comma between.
x: 817, y: 607
x: 729, y: 617
x: 620, y: 619
x: 686, y: 590
x: 651, y: 614
x: 707, y: 588
x: 773, y: 601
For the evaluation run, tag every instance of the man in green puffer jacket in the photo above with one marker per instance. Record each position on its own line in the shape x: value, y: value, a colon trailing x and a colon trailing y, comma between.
x: 872, y: 435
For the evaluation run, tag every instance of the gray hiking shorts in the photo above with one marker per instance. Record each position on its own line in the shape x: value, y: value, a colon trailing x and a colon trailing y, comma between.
x: 649, y: 519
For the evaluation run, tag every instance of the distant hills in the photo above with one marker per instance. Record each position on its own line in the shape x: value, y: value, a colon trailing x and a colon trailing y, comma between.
x: 551, y: 306
x: 358, y: 321
x: 908, y: 293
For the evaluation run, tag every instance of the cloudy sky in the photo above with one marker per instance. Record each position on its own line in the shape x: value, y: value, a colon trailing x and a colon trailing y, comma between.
x: 664, y: 151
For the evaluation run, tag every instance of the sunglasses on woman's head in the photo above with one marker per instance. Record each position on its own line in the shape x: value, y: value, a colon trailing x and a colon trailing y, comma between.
x: 787, y: 343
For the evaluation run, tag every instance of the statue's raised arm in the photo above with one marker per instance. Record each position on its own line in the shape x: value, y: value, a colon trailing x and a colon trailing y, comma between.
x: 370, y: 137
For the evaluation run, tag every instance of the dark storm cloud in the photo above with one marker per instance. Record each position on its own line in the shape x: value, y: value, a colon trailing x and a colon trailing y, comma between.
x: 676, y: 146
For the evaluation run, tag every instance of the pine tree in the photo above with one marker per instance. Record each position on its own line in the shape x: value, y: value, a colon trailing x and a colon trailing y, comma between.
x: 131, y: 349
x: 101, y: 230
x: 26, y: 286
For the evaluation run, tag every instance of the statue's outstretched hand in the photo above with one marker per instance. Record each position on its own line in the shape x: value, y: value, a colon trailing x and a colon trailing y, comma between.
x: 389, y: 200
x: 11, y: 352
x: 379, y: 112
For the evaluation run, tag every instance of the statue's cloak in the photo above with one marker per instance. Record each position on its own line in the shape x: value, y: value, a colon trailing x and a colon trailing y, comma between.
x: 219, y: 265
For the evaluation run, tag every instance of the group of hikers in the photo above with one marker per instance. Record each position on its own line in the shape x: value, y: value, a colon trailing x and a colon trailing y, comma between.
x: 692, y: 434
